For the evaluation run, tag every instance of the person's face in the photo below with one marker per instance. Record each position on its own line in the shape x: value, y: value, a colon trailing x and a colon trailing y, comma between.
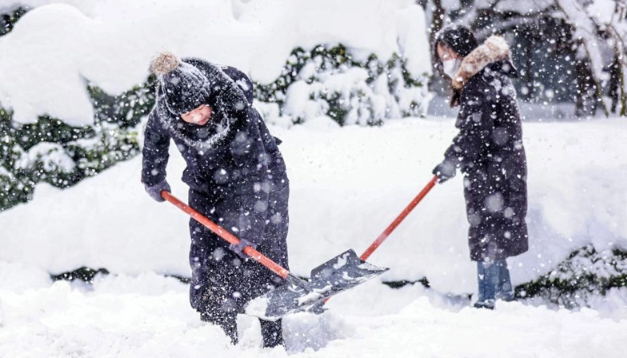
x: 446, y: 53
x: 199, y: 116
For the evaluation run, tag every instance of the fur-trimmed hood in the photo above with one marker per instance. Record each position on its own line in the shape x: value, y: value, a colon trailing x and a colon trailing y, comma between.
x: 494, y: 49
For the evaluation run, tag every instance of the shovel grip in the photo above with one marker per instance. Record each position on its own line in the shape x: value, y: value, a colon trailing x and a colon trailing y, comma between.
x: 224, y: 234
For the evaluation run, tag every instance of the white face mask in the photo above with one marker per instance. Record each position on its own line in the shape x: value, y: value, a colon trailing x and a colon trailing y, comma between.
x: 451, y: 67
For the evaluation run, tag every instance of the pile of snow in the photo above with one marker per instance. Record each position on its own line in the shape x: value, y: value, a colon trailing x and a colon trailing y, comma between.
x: 347, y: 186
x: 59, y: 45
x: 149, y: 316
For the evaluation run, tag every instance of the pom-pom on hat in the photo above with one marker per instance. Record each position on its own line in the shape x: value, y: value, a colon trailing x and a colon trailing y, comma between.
x: 184, y: 86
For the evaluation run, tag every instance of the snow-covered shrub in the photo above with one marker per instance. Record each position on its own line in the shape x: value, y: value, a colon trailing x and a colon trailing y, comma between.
x: 586, y: 273
x: 61, y: 163
x: 330, y: 81
x: 326, y: 81
x: 125, y: 110
x: 85, y: 274
x: 54, y: 152
x: 15, y: 186
x: 8, y: 19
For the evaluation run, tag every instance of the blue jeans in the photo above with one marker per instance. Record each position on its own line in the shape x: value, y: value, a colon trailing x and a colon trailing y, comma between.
x: 494, y: 282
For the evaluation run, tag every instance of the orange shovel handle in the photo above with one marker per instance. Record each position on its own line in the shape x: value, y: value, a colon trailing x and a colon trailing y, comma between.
x: 248, y: 250
x: 384, y: 235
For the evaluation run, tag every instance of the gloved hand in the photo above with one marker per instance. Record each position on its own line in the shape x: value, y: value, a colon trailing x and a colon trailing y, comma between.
x: 239, y: 248
x: 445, y: 171
x: 155, y: 190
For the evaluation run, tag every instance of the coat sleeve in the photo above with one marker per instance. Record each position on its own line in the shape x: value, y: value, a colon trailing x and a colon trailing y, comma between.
x: 475, y: 123
x: 251, y: 177
x: 155, y: 152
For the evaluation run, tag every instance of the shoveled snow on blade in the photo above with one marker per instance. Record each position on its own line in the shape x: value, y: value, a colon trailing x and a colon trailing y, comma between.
x: 313, y: 296
x: 339, y: 274
x: 341, y: 261
x: 257, y: 307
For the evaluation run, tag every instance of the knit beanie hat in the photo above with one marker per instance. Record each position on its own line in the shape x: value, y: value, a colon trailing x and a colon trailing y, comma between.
x: 184, y: 86
x: 459, y: 38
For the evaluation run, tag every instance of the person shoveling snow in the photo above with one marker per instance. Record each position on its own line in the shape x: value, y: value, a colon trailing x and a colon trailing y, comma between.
x: 489, y: 151
x: 237, y: 178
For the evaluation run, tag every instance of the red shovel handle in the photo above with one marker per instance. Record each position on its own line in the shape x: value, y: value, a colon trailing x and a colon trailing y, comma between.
x: 248, y: 250
x: 384, y: 235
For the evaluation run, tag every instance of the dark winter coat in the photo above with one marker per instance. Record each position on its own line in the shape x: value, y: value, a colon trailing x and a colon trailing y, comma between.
x: 489, y: 151
x: 237, y: 178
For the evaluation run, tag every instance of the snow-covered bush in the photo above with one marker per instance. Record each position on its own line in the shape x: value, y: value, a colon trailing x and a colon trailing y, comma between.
x: 330, y: 81
x: 52, y: 133
x: 326, y: 81
x: 125, y: 110
x: 584, y: 274
x: 8, y: 19
x: 54, y: 152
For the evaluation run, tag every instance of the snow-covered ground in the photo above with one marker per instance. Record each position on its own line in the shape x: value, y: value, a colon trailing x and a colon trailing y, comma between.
x: 149, y: 316
x: 347, y: 185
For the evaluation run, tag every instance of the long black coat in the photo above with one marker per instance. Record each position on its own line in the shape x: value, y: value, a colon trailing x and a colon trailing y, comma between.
x: 237, y: 178
x: 489, y: 151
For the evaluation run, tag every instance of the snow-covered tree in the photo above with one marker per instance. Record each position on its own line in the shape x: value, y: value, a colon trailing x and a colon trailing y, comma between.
x: 54, y: 152
x: 329, y: 81
x: 568, y: 50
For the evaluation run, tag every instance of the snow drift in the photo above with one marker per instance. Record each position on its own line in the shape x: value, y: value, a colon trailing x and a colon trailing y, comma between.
x: 347, y: 185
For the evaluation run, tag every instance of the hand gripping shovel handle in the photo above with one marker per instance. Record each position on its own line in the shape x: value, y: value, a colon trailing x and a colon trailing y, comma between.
x: 248, y: 250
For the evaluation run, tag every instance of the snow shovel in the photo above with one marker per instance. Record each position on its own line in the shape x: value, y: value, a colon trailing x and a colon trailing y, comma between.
x: 384, y: 235
x: 341, y: 273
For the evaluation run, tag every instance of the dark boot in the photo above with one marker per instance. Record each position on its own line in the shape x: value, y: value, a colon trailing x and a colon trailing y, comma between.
x: 272, y: 333
x: 228, y: 323
x: 487, y: 304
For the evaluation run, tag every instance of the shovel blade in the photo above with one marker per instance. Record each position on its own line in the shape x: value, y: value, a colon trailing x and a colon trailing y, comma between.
x: 341, y: 273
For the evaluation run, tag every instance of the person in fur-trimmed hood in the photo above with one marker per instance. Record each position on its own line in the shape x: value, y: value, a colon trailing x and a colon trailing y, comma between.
x: 236, y: 177
x: 489, y: 151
